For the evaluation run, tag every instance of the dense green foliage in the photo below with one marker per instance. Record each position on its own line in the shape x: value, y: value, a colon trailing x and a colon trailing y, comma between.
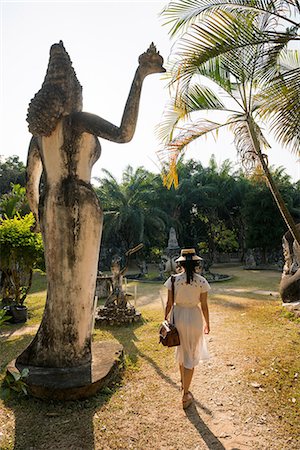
x: 21, y: 251
x: 14, y: 201
x: 214, y: 209
x: 132, y: 213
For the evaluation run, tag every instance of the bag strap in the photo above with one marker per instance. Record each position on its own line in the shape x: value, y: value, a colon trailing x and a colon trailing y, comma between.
x: 173, y: 300
x: 173, y: 289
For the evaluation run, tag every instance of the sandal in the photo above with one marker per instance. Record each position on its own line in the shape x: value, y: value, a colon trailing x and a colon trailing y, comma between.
x: 187, y: 400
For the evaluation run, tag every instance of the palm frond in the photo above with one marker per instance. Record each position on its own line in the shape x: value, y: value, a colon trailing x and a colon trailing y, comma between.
x: 179, y: 15
x: 290, y: 59
x: 179, y: 108
x: 243, y: 142
x: 174, y: 112
x: 222, y: 34
x: 170, y: 153
x: 225, y: 34
x: 279, y: 103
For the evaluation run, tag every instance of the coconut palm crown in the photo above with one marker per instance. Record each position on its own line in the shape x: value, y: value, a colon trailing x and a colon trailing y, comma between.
x: 241, y: 47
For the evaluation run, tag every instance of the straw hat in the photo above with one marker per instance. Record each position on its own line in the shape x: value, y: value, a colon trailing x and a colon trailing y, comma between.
x: 188, y: 254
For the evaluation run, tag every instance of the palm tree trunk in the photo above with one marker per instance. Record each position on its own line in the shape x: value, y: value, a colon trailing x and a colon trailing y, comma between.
x: 272, y: 186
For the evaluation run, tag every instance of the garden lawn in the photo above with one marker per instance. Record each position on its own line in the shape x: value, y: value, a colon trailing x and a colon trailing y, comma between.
x: 246, y: 397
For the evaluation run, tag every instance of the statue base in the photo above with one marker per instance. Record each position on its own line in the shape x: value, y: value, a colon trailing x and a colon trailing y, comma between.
x: 75, y: 383
x: 113, y: 315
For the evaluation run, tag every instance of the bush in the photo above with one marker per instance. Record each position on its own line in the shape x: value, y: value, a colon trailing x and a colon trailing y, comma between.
x: 21, y: 251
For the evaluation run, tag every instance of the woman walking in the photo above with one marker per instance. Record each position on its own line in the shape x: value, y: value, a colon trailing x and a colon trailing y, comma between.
x: 191, y: 318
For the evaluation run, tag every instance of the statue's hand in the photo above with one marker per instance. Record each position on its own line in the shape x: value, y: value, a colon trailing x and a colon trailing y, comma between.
x: 151, y: 62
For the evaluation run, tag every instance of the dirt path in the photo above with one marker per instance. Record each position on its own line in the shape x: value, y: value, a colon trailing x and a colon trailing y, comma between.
x: 228, y: 412
x: 224, y: 415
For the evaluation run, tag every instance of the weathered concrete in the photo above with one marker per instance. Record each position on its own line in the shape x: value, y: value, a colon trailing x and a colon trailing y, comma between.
x: 74, y: 383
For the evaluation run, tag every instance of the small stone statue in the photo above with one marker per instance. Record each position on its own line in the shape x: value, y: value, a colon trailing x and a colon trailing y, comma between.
x: 250, y: 261
x: 65, y: 147
x: 117, y: 296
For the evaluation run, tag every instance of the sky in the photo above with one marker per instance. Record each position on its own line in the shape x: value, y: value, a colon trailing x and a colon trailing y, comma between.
x: 104, y: 40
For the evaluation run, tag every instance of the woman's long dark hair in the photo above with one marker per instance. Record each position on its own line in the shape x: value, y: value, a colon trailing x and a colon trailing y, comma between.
x: 189, y: 266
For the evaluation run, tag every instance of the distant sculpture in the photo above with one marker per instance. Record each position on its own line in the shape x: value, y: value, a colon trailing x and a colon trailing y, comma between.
x: 169, y: 263
x: 64, y: 147
x: 172, y: 242
x: 171, y: 253
x: 250, y: 262
x: 118, y: 297
x: 290, y: 281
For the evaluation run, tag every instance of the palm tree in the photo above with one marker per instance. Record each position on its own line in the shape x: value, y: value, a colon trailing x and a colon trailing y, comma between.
x: 220, y: 21
x: 233, y: 49
x: 130, y: 214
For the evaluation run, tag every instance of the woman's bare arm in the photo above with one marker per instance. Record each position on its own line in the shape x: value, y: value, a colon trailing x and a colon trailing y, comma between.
x: 33, y: 175
x: 204, y: 308
x: 169, y: 304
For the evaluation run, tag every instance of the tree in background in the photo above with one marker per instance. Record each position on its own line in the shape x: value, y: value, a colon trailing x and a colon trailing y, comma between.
x: 213, y: 209
x: 264, y: 225
x: 14, y: 201
x: 132, y: 214
x: 12, y: 171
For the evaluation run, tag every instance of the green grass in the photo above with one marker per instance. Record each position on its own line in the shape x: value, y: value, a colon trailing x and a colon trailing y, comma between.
x: 275, y: 348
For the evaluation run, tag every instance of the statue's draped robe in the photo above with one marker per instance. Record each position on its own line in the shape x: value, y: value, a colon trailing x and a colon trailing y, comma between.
x: 71, y: 225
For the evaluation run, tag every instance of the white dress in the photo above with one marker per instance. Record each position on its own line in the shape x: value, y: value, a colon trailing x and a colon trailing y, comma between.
x: 188, y: 319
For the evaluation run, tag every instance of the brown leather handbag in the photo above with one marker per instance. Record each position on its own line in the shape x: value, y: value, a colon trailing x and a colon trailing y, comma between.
x: 168, y: 333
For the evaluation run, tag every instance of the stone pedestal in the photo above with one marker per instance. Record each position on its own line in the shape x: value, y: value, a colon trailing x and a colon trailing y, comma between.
x: 75, y: 383
x: 113, y: 315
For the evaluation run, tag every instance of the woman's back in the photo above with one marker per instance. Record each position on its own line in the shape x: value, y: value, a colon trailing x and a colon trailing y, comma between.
x: 189, y: 294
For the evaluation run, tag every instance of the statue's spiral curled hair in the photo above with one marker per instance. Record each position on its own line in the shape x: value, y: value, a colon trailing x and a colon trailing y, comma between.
x: 61, y: 93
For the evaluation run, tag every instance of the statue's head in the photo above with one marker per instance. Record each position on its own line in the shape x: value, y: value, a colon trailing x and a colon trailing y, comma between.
x: 60, y: 94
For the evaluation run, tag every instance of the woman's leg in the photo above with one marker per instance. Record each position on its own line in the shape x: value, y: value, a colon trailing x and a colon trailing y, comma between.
x: 187, y: 379
x: 181, y: 369
x: 187, y: 397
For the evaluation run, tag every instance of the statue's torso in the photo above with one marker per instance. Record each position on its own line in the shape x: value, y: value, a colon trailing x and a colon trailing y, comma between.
x: 66, y: 153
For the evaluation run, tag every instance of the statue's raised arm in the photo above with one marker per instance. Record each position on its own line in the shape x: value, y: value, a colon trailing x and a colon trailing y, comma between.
x: 150, y: 62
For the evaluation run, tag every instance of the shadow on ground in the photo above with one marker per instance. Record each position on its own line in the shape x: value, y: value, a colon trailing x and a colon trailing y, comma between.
x: 56, y: 425
x: 208, y: 437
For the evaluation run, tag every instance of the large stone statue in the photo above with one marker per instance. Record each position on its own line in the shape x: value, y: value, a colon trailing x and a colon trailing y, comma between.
x: 64, y: 148
x: 290, y: 281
